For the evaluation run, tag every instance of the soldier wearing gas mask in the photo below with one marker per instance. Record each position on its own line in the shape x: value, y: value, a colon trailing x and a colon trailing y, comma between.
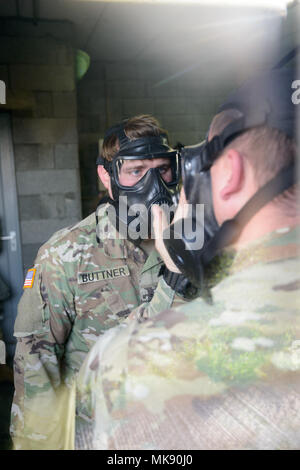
x: 143, y: 171
x: 84, y: 282
x: 222, y: 371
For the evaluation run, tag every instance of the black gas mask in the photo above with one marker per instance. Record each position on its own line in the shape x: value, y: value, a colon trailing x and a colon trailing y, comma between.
x: 265, y: 101
x: 136, y: 186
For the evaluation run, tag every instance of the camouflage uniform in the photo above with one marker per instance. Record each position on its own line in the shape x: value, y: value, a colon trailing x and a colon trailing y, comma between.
x: 2, y: 349
x: 4, y: 295
x: 222, y: 372
x: 82, y: 287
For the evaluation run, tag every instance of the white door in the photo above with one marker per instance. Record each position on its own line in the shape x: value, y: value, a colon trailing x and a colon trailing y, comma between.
x: 11, y: 269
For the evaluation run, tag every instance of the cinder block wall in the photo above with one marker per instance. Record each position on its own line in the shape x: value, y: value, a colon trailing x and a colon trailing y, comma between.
x: 37, y: 65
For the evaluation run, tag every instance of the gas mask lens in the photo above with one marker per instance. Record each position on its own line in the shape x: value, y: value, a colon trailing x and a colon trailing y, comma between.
x: 129, y: 171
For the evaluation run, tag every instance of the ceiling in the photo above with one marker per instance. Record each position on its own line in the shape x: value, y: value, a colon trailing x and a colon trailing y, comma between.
x: 174, y: 32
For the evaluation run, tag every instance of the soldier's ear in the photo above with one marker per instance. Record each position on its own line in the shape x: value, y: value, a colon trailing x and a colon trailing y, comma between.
x: 104, y: 176
x: 233, y: 176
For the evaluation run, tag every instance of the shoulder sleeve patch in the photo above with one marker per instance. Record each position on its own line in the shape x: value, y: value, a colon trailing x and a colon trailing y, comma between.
x: 30, y: 318
x: 29, y: 279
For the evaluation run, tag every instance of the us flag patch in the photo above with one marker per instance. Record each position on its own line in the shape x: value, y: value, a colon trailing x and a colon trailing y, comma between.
x: 29, y: 279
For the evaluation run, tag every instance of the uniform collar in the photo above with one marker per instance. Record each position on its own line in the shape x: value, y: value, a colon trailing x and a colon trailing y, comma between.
x: 114, y: 246
x: 153, y: 260
x: 107, y: 236
x: 278, y: 245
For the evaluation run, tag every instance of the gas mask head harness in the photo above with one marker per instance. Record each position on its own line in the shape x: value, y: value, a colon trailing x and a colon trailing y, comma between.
x: 265, y: 101
x: 134, y: 183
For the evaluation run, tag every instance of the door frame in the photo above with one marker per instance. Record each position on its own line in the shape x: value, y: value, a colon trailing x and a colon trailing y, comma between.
x: 11, y: 265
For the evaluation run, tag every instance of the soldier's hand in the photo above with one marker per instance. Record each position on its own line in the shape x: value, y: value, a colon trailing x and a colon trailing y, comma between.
x: 160, y: 224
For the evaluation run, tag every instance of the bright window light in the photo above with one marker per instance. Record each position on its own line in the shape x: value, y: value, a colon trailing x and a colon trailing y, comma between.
x: 270, y: 4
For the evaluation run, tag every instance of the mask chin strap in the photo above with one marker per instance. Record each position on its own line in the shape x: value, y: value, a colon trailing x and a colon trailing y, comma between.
x: 231, y: 229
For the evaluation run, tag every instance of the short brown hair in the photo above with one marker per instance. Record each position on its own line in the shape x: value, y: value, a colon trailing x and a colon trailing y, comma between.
x: 267, y: 149
x: 135, y: 127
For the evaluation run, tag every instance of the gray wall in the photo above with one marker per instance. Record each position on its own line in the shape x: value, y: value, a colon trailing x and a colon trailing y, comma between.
x: 37, y: 65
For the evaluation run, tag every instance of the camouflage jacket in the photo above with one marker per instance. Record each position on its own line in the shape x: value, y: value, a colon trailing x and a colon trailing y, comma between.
x: 221, y: 372
x: 80, y: 286
x: 4, y: 294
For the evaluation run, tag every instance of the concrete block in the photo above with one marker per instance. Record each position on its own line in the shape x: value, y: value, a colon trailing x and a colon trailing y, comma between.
x: 64, y: 104
x: 46, y: 156
x: 45, y: 131
x: 47, y: 182
x: 120, y: 71
x: 42, y: 77
x: 155, y: 71
x: 30, y: 207
x: 26, y: 157
x: 5, y: 49
x: 52, y: 206
x: 89, y: 205
x: 93, y: 123
x: 103, y: 125
x: 43, y: 105
x: 97, y: 105
x: 66, y: 156
x: 60, y: 30
x: 29, y: 253
x: 149, y: 71
x: 23, y: 113
x: 178, y: 122
x: 133, y: 107
x: 96, y: 71
x: 88, y: 138
x: 84, y: 123
x: 200, y: 104
x: 126, y: 89
x: 4, y: 75
x: 114, y: 111
x: 65, y: 55
x: 88, y: 154
x: 170, y: 106
x: 156, y: 90
x: 201, y: 121
x: 22, y: 50
x: 91, y: 88
x: 39, y: 231
x: 49, y: 206
x: 89, y: 182
x: 72, y: 205
x: 90, y: 104
x: 20, y: 100
x: 186, y: 137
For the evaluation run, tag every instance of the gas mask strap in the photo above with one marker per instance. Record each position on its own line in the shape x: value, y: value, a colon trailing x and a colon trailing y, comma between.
x: 287, y: 58
x: 230, y: 229
x: 214, y: 146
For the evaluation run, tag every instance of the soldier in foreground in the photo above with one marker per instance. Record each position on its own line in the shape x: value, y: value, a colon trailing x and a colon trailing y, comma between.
x: 6, y: 379
x: 84, y: 282
x: 223, y: 371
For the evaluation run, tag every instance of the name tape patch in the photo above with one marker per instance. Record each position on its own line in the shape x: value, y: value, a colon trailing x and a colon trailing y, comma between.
x: 29, y: 279
x: 95, y: 276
